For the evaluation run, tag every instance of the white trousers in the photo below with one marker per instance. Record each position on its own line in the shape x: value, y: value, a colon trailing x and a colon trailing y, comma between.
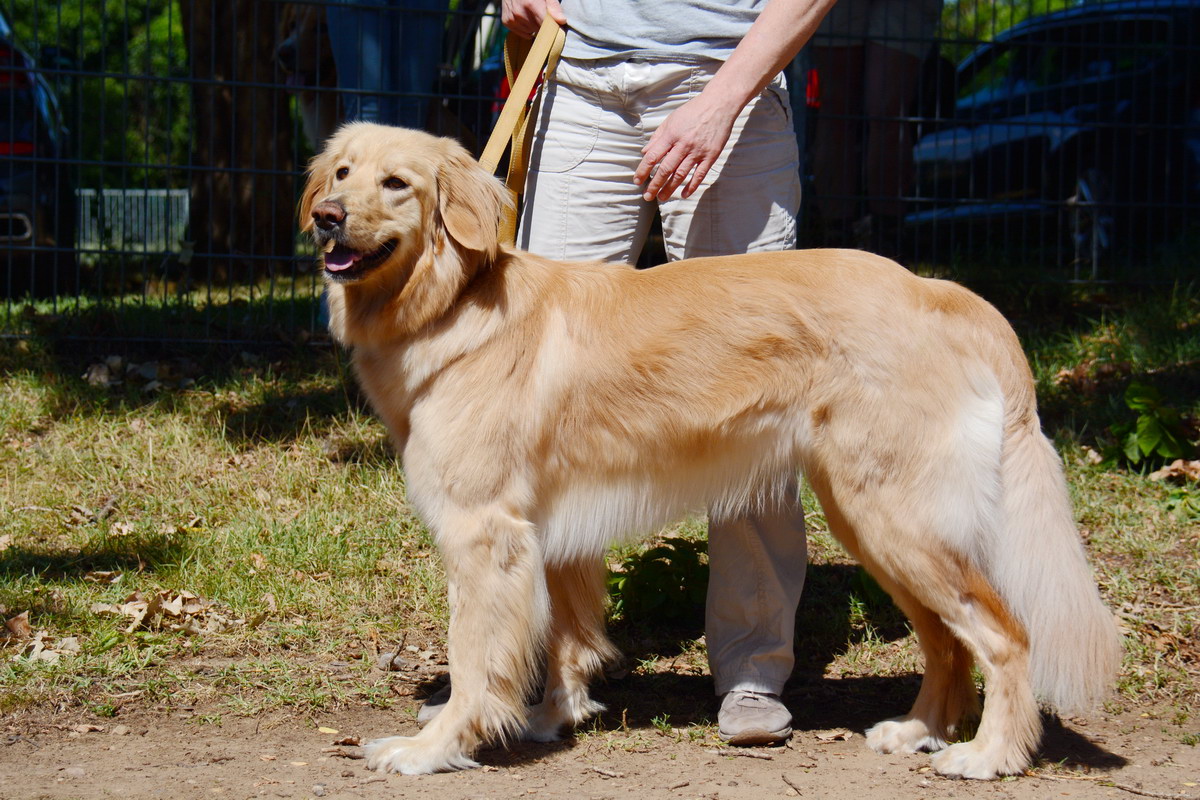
x: 581, y: 204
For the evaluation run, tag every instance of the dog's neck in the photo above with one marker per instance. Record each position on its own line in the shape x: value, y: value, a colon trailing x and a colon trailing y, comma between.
x: 398, y: 304
x: 494, y: 303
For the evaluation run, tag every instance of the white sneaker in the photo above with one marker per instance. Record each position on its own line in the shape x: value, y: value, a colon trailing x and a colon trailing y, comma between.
x: 753, y: 719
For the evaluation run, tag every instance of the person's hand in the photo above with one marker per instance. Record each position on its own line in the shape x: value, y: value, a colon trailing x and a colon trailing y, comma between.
x: 524, y: 17
x: 685, y: 146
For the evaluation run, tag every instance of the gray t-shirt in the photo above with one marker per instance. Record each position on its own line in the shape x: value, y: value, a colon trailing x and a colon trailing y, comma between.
x: 679, y: 30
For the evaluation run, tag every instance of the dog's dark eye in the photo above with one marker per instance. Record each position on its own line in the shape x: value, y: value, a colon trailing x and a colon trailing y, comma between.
x: 342, y: 173
x: 395, y: 184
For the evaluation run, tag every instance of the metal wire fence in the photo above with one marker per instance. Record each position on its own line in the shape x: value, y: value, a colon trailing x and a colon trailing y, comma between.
x: 152, y: 151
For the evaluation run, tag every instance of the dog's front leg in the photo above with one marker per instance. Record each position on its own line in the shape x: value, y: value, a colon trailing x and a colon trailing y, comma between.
x: 498, y: 618
x: 576, y: 651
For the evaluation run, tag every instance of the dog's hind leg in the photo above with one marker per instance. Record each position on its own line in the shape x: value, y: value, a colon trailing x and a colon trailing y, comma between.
x: 498, y: 615
x: 969, y: 608
x: 577, y: 648
x: 944, y: 593
x: 947, y: 696
x: 1010, y: 726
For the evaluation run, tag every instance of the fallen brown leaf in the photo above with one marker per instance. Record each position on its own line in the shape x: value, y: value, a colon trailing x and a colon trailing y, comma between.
x: 18, y: 627
x: 835, y: 735
x: 1178, y: 470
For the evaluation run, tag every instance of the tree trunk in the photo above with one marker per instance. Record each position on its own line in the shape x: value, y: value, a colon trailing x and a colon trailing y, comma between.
x: 243, y: 187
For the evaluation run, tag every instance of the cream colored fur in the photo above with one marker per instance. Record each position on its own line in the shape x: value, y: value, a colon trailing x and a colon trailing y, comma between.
x: 544, y: 410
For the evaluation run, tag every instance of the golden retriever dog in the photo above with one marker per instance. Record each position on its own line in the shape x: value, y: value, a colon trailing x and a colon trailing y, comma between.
x: 543, y: 410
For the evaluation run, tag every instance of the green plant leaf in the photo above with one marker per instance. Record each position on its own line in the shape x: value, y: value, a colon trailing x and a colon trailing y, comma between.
x: 1132, y: 452
x: 1149, y: 434
x: 1142, y: 397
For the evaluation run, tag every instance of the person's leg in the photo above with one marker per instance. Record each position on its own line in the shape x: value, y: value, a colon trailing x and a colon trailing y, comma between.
x: 417, y: 30
x: 748, y: 203
x: 580, y: 202
x: 355, y: 38
x: 756, y: 574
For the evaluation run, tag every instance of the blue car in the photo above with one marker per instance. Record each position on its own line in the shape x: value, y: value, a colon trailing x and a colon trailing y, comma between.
x: 37, y: 198
x: 1081, y: 128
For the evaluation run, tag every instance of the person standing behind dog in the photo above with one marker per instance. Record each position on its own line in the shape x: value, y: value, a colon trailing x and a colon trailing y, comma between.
x: 387, y: 54
x: 643, y: 112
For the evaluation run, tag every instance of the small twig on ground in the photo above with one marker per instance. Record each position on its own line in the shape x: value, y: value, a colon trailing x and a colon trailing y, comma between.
x: 679, y: 785
x: 342, y: 753
x: 19, y: 738
x: 729, y: 751
x: 790, y: 783
x: 1114, y: 785
x: 608, y: 772
x: 1134, y: 790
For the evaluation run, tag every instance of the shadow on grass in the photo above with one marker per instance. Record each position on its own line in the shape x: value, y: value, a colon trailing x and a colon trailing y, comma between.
x: 266, y: 387
x: 75, y: 563
x: 28, y: 575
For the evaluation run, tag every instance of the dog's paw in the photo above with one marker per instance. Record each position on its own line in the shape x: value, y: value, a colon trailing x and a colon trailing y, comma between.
x: 547, y: 720
x: 968, y: 760
x: 409, y: 755
x: 545, y: 724
x: 903, y: 735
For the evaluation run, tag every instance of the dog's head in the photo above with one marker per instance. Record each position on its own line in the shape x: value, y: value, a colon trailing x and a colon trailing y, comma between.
x: 401, y: 215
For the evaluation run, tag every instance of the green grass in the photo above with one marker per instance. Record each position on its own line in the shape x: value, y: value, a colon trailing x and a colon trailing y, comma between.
x: 260, y: 482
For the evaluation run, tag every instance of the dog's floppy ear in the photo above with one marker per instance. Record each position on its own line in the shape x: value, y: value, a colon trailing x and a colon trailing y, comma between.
x: 470, y: 202
x: 320, y: 171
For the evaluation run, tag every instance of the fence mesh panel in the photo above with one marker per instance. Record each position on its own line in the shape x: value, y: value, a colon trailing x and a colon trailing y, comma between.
x: 152, y: 151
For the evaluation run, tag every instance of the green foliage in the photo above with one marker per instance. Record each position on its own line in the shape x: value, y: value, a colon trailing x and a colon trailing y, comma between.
x: 133, y: 106
x: 666, y: 583
x: 1185, y: 502
x: 1157, y: 432
x: 966, y: 23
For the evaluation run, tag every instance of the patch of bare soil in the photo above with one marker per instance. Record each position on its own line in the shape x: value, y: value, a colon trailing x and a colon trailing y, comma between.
x: 145, y: 754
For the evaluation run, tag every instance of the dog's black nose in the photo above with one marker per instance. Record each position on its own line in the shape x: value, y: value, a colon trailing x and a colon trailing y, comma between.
x: 327, y: 215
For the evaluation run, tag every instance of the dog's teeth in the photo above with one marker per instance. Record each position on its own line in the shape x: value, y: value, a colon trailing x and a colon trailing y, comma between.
x: 329, y: 246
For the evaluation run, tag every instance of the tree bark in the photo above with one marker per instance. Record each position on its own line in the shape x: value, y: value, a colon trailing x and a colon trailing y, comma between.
x: 243, y: 185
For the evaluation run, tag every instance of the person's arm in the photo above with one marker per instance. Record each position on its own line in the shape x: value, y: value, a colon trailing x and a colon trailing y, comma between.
x: 690, y: 140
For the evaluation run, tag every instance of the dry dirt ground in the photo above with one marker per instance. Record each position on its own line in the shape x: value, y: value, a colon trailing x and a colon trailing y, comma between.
x: 184, y: 754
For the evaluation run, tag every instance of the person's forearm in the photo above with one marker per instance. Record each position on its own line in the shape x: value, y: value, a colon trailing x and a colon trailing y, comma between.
x: 783, y: 27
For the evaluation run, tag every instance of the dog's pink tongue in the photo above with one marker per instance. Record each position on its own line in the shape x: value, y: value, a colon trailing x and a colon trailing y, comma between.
x: 340, y: 258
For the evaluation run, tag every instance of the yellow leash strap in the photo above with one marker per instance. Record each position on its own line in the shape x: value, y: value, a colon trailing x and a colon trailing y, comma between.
x: 526, y: 60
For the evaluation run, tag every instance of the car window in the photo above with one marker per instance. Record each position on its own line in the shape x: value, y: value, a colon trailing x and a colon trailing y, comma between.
x: 1063, y: 56
x: 1095, y: 52
x: 985, y: 78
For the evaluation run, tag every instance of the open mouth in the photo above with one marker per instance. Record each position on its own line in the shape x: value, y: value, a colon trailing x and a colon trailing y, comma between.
x: 344, y: 263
